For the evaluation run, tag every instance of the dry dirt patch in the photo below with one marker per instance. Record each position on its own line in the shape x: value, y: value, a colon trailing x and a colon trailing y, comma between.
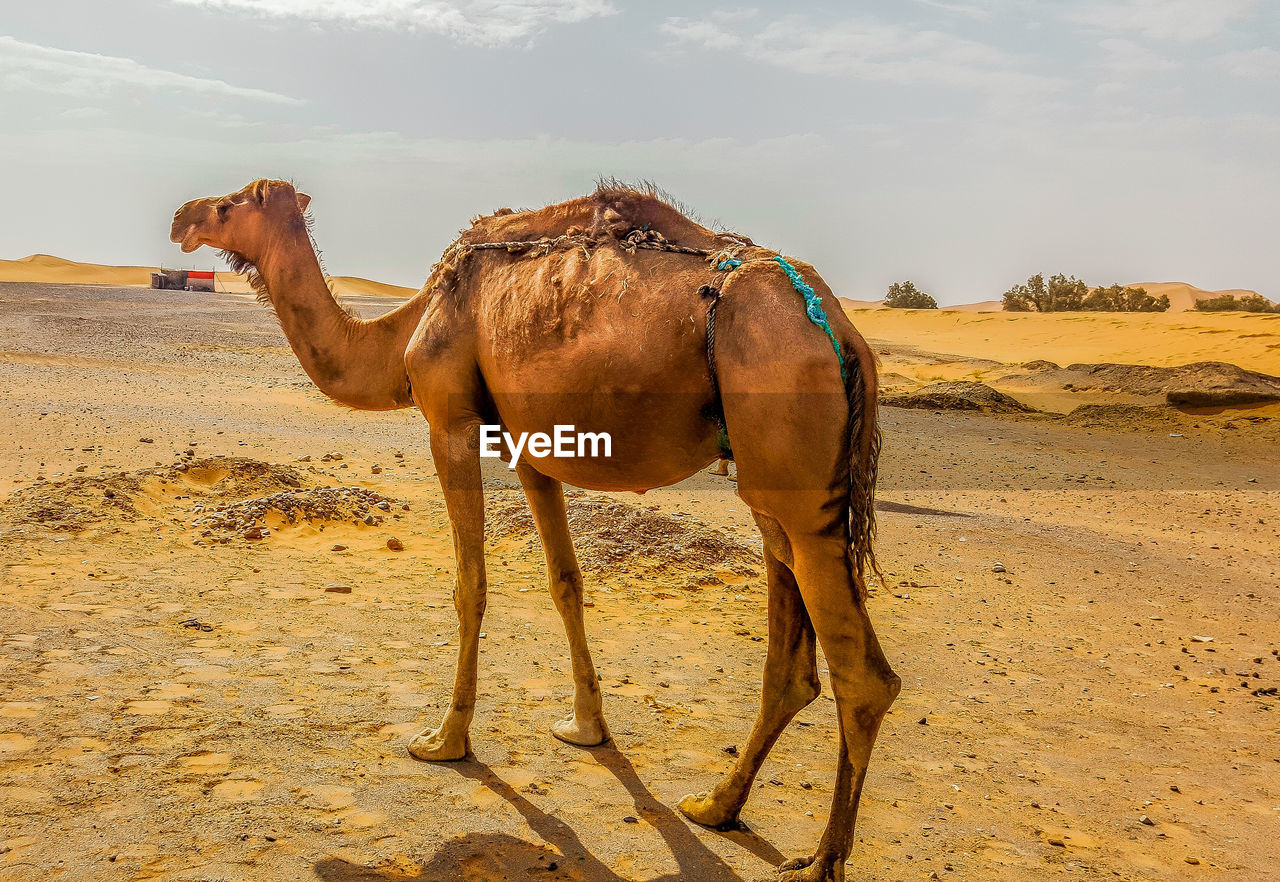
x: 610, y: 536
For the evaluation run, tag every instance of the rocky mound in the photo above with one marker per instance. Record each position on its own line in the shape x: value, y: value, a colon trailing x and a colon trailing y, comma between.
x: 1126, y: 416
x: 74, y: 504
x: 1201, y: 384
x: 247, y: 519
x: 958, y: 396
x: 77, y: 503
x: 611, y: 536
x: 232, y: 477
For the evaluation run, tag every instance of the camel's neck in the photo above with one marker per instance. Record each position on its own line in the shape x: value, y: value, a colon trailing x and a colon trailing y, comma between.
x: 355, y: 362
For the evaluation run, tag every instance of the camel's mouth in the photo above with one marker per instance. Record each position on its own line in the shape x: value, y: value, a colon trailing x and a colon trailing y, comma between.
x: 188, y: 239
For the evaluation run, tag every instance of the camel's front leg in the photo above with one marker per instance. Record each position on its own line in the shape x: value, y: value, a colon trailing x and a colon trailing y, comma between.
x: 585, y: 726
x: 456, y: 454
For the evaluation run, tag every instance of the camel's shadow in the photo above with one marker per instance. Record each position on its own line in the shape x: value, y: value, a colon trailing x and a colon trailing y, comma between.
x: 500, y: 856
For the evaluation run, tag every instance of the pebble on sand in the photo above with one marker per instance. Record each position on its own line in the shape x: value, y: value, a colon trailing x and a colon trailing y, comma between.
x: 395, y: 544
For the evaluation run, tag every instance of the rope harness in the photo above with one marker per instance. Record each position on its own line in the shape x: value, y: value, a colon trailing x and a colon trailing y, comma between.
x: 722, y: 261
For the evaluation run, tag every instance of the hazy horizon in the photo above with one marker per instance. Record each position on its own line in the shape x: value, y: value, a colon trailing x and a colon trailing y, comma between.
x: 964, y: 145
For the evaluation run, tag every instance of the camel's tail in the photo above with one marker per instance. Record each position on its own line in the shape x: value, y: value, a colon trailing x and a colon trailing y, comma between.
x: 864, y: 456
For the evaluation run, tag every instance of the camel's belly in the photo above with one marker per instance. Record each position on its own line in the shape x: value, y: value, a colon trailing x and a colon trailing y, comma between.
x: 607, y: 441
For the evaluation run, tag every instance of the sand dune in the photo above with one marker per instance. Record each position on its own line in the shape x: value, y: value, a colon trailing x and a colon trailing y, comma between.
x: 45, y: 268
x: 1251, y: 341
x: 1183, y: 296
x: 354, y: 286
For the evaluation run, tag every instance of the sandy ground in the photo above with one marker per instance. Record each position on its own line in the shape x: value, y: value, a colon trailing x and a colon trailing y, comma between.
x: 172, y: 707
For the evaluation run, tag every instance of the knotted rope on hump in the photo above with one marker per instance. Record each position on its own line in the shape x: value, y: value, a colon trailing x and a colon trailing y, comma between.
x: 813, y: 308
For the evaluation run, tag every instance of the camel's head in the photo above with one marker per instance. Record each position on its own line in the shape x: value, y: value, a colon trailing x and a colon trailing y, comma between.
x: 242, y: 222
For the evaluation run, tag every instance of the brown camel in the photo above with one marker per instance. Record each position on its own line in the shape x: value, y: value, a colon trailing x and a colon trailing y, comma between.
x: 595, y: 314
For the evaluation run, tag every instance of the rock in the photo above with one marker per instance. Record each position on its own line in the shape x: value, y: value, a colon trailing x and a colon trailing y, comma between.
x: 1147, y: 821
x: 958, y: 396
x: 384, y: 505
x: 998, y: 567
x: 631, y: 819
x: 1041, y: 365
x: 1196, y: 638
x: 369, y: 520
x: 306, y: 458
x: 146, y: 441
x: 376, y: 469
x: 255, y: 533
x: 337, y: 588
x: 395, y: 544
x: 338, y: 548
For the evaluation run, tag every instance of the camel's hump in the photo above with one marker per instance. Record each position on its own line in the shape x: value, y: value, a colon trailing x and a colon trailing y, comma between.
x: 611, y: 212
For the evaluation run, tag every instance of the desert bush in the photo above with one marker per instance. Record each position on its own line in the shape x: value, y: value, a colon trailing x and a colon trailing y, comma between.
x: 1068, y: 294
x: 905, y: 295
x: 1230, y: 303
x: 1059, y: 294
x: 1118, y: 298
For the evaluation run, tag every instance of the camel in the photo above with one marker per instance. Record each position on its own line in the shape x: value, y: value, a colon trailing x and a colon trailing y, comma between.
x: 603, y: 312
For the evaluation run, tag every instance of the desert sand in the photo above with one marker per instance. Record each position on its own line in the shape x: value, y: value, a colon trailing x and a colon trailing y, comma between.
x: 1082, y: 613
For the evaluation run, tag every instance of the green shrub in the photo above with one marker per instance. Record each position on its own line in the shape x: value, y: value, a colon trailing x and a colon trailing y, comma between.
x: 905, y: 295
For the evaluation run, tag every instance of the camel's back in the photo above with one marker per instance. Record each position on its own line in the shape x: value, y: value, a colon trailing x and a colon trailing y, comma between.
x: 611, y: 212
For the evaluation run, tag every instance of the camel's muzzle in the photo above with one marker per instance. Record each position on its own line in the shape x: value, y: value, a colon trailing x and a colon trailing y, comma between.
x: 187, y: 222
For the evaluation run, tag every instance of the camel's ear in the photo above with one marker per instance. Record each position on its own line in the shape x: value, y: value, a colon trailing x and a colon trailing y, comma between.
x: 303, y: 201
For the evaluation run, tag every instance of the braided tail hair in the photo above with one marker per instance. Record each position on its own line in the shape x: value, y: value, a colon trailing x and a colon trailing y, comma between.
x: 864, y: 455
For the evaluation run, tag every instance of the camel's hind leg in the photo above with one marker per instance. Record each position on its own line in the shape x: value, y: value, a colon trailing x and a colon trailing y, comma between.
x: 585, y: 726
x: 864, y: 686
x: 464, y: 499
x: 790, y: 683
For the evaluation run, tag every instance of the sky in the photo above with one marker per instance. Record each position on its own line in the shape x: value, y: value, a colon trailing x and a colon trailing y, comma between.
x: 962, y: 144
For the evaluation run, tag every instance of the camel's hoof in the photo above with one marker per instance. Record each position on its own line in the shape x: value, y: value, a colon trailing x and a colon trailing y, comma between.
x: 806, y: 869
x: 435, y: 747
x: 702, y: 809
x: 588, y: 733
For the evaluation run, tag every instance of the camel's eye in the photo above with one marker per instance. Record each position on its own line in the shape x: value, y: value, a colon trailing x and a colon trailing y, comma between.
x: 223, y: 209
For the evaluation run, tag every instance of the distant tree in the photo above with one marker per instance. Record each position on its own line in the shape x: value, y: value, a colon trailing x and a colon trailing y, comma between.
x: 1119, y: 298
x: 1221, y: 303
x: 1256, y: 303
x: 1228, y: 302
x: 905, y: 295
x: 1060, y: 294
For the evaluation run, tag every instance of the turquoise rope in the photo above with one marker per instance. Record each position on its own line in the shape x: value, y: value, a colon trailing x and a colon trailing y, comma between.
x: 729, y: 263
x: 813, y: 308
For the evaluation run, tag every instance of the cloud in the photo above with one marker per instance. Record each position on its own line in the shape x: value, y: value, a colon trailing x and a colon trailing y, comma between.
x: 1255, y: 64
x: 977, y: 11
x: 866, y: 50
x: 478, y: 22
x: 31, y: 67
x: 1126, y: 57
x: 1183, y: 21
